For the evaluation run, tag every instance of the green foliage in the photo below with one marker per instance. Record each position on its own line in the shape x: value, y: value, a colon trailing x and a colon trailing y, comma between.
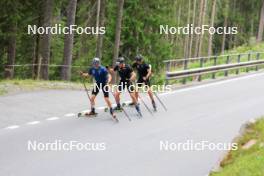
x: 246, y: 162
x: 139, y: 35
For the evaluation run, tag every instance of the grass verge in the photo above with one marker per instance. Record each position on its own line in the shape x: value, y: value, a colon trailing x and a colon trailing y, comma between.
x: 246, y: 161
x: 15, y: 86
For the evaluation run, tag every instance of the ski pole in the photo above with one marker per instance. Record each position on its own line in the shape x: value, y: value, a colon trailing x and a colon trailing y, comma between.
x: 146, y: 106
x: 86, y: 90
x: 124, y: 111
x: 160, y: 101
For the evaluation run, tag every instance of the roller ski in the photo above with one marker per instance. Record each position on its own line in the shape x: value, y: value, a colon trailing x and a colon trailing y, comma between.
x: 88, y: 114
x: 106, y: 109
x: 128, y: 104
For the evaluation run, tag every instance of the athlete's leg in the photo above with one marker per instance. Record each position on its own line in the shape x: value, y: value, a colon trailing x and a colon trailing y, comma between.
x: 132, y: 92
x: 95, y: 91
x: 138, y: 86
x: 105, y: 89
x: 120, y: 88
x: 150, y: 93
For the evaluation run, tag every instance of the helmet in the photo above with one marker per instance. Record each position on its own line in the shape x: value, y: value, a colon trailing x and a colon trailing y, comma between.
x: 138, y: 58
x: 121, y: 60
x: 96, y: 60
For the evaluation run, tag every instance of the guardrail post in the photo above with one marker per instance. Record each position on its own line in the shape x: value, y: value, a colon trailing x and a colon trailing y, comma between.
x: 167, y: 70
x: 238, y: 61
x: 185, y: 67
x: 215, y: 62
x: 201, y: 65
x: 227, y: 62
x: 257, y: 58
x: 168, y: 66
x: 249, y: 58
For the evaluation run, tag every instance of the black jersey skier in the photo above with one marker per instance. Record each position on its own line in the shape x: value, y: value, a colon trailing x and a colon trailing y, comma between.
x: 144, y: 73
x: 102, y: 79
x: 127, y: 75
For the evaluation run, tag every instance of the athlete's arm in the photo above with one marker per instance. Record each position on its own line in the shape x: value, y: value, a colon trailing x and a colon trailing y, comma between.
x: 84, y: 74
x: 111, y: 70
x: 149, y: 73
x: 133, y: 76
x: 109, y: 76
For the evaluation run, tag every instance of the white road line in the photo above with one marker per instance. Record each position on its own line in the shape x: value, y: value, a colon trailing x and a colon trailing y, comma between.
x: 84, y: 111
x: 69, y: 115
x: 212, y: 84
x: 33, y: 123
x: 12, y: 127
x: 99, y: 108
x: 126, y: 102
x: 53, y: 118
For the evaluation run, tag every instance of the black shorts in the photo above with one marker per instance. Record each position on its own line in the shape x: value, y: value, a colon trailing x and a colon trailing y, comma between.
x: 125, y: 84
x: 98, y: 86
x: 141, y: 82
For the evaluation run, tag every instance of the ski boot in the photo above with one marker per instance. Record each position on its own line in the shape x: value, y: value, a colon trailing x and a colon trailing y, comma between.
x: 92, y: 113
x: 138, y: 110
x: 111, y: 110
x: 118, y: 108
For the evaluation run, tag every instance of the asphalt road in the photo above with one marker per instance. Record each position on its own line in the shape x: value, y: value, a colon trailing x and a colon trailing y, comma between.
x: 212, y: 112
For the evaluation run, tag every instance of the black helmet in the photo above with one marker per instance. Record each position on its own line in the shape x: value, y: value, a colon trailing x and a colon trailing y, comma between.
x: 139, y: 58
x: 121, y: 60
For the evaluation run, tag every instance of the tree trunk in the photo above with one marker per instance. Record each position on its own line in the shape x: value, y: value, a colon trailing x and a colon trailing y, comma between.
x: 187, y: 37
x: 200, y: 48
x: 68, y: 42
x: 11, y: 52
x: 191, y: 37
x: 99, y: 44
x: 178, y: 23
x: 118, y: 29
x: 261, y: 24
x: 45, y: 40
x: 36, y: 52
x: 224, y: 37
x: 199, y: 25
x: 34, y: 56
x: 210, y: 42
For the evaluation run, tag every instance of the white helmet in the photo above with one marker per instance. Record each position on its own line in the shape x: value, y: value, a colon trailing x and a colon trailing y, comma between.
x: 96, y: 60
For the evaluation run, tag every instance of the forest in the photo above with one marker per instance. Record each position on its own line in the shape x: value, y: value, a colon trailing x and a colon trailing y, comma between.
x: 128, y: 28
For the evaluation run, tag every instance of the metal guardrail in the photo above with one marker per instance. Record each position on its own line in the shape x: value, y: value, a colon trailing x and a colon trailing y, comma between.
x: 197, y: 67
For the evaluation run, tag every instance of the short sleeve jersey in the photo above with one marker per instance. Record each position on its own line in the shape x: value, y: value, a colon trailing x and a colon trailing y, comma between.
x: 100, y: 74
x: 142, y: 69
x: 124, y: 73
